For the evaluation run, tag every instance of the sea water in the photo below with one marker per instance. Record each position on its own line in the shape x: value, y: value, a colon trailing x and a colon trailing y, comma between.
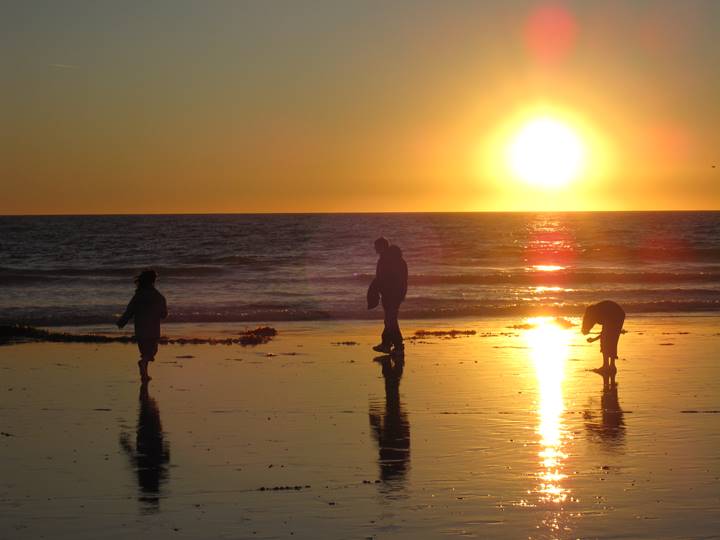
x: 78, y: 270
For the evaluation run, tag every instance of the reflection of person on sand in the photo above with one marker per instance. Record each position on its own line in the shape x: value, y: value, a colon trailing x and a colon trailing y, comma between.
x: 146, y: 307
x: 611, y: 316
x: 390, y: 285
x: 611, y: 428
x: 391, y: 428
x: 151, y: 455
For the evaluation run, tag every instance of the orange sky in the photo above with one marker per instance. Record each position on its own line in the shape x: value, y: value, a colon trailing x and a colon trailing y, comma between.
x: 333, y: 106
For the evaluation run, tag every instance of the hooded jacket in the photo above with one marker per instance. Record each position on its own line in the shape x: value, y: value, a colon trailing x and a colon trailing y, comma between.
x: 391, y: 276
x: 146, y: 308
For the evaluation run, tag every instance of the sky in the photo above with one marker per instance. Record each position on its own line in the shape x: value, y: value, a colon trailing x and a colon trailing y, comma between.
x: 353, y: 106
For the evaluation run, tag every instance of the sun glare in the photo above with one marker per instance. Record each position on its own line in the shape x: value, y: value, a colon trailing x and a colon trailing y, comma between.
x: 549, y: 348
x: 546, y: 152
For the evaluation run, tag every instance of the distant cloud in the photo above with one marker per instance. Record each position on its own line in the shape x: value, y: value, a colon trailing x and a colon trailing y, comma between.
x: 64, y: 66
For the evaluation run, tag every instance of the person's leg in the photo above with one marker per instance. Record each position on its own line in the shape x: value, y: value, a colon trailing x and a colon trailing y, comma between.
x: 387, y: 328
x: 152, y: 349
x: 142, y: 365
x: 605, y: 350
x: 397, y: 334
x: 148, y: 349
x: 393, y: 326
x: 612, y: 353
x: 386, y: 338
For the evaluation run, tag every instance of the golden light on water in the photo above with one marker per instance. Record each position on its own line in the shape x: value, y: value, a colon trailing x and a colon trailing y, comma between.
x: 549, y: 348
x: 548, y: 267
x: 543, y: 289
x: 546, y: 152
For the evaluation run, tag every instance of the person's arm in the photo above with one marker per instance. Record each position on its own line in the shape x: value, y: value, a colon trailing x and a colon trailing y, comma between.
x: 381, y: 275
x: 373, y: 292
x: 163, y: 311
x: 404, y: 281
x: 129, y: 312
x: 376, y: 279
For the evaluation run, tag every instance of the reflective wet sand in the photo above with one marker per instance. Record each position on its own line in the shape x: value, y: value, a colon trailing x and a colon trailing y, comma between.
x: 504, y: 434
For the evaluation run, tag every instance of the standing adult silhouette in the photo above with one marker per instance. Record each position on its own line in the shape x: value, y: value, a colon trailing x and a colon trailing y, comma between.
x: 390, y: 288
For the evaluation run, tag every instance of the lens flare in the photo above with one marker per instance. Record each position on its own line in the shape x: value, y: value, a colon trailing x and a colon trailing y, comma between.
x: 550, y: 33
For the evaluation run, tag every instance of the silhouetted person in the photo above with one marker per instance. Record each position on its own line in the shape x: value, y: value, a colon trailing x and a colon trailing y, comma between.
x: 611, y: 316
x: 151, y: 455
x: 611, y: 428
x: 147, y: 307
x: 391, y: 428
x: 389, y: 287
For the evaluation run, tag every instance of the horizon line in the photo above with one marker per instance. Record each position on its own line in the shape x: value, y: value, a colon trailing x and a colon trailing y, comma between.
x: 121, y: 214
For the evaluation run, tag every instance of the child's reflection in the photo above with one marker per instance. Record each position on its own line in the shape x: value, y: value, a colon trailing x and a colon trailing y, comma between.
x: 609, y: 428
x: 151, y: 454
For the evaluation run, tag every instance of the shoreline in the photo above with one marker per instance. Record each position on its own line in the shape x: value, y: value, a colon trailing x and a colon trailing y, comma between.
x: 212, y: 329
x: 108, y: 327
x: 374, y: 317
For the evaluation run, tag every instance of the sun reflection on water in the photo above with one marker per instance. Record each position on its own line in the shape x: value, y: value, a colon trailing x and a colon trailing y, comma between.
x: 548, y: 267
x: 549, y: 346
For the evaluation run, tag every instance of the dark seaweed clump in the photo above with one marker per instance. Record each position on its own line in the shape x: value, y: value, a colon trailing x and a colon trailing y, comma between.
x: 260, y: 335
x: 448, y: 334
x: 18, y: 333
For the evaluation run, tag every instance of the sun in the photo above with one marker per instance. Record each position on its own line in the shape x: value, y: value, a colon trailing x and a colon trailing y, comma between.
x: 546, y: 152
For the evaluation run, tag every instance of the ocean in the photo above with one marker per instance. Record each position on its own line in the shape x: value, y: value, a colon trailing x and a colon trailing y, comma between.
x: 78, y: 270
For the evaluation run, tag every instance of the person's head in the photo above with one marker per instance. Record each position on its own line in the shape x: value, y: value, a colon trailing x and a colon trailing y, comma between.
x: 145, y: 279
x: 381, y: 245
x: 394, y: 252
x: 589, y: 320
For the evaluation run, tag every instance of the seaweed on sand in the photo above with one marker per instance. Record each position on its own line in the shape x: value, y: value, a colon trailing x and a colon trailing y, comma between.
x: 447, y: 334
x: 18, y: 333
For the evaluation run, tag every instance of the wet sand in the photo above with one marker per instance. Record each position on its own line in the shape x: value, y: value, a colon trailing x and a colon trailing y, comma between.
x: 501, y: 434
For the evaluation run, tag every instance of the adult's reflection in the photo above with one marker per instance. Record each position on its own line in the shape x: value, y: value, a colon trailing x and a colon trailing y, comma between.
x: 609, y: 426
x: 390, y: 425
x: 150, y: 455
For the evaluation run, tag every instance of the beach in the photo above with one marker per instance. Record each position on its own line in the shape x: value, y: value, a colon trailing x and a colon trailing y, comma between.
x: 503, y: 433
x: 358, y: 270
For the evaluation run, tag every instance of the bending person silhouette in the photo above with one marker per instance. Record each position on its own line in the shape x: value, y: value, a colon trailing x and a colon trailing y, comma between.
x: 611, y: 316
x: 147, y: 307
x: 390, y: 288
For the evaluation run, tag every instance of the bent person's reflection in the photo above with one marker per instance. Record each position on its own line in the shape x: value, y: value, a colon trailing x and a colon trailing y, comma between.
x: 390, y: 425
x: 609, y: 428
x: 150, y: 455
